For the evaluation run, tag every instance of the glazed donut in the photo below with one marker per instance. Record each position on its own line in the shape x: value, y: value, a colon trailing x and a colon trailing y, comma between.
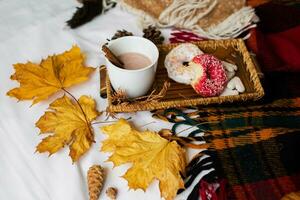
x: 209, y: 75
x: 177, y: 60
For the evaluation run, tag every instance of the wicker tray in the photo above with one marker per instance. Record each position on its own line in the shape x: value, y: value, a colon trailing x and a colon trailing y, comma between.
x: 180, y: 95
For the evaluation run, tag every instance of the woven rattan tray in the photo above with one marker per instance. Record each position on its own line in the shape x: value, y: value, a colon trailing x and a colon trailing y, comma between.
x: 180, y: 95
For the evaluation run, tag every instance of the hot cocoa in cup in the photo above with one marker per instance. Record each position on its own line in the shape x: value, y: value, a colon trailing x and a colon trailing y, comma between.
x: 133, y: 61
x: 140, y: 57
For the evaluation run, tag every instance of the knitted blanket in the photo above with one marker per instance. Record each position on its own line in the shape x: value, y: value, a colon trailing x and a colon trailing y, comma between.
x: 214, y: 19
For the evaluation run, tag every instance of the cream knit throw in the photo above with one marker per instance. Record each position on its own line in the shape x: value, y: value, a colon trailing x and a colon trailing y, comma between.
x: 213, y: 19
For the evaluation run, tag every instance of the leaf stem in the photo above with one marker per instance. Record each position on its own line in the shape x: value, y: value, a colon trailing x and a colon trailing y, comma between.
x: 147, y: 124
x: 85, y: 117
x: 104, y: 122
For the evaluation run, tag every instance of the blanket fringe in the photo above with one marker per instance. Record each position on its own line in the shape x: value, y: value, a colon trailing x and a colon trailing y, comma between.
x: 186, y: 14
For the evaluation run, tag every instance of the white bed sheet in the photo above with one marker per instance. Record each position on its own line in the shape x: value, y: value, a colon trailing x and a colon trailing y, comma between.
x: 31, y: 30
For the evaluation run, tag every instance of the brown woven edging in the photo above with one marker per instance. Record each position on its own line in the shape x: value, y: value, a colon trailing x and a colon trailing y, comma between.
x: 237, y: 44
x: 251, y: 69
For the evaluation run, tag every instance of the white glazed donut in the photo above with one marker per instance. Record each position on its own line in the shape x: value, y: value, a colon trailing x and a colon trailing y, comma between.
x: 176, y: 59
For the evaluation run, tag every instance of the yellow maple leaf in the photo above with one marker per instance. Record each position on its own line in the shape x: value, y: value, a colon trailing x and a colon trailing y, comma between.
x: 69, y: 124
x: 152, y: 157
x: 39, y: 81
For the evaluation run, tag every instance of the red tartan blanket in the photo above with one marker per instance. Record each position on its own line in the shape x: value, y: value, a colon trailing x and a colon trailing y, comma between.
x: 253, y: 148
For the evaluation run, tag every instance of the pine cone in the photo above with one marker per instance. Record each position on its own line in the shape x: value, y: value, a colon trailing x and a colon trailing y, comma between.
x: 95, y: 179
x: 121, y: 33
x: 153, y: 34
x: 112, y: 193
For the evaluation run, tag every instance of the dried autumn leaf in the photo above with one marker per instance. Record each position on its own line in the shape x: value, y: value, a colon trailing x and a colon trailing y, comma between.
x: 39, y: 81
x: 152, y: 157
x: 69, y: 125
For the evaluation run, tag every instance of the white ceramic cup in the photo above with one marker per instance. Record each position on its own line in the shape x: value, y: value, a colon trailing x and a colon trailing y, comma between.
x: 137, y: 82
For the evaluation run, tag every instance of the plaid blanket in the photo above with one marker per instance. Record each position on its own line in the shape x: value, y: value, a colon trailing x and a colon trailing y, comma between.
x: 251, y: 150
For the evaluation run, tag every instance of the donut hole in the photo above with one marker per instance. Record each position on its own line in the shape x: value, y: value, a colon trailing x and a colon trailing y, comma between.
x: 185, y: 63
x: 208, y: 75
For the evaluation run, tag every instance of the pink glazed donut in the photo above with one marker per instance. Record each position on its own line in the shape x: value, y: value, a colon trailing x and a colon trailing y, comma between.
x: 210, y: 78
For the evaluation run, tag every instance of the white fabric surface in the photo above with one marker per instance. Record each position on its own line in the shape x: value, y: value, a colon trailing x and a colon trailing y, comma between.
x: 31, y: 30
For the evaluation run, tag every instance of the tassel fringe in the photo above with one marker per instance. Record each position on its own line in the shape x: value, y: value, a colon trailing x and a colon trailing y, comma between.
x: 185, y: 14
